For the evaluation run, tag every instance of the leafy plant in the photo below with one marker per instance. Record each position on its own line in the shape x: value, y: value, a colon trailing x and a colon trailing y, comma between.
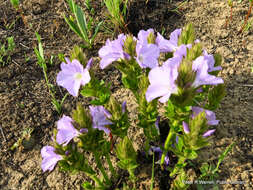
x: 209, y: 172
x: 185, y: 79
x: 41, y: 61
x: 247, y: 16
x: 15, y: 4
x: 25, y: 141
x: 6, y: 52
x: 117, y: 15
x: 80, y: 25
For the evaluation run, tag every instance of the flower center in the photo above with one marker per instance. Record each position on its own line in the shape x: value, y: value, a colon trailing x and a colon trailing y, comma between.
x: 78, y: 76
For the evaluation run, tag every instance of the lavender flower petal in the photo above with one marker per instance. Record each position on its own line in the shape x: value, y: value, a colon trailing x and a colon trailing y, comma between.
x: 186, y: 127
x: 112, y: 51
x: 202, y: 76
x: 168, y: 45
x: 167, y: 160
x: 50, y: 158
x: 210, y: 61
x: 123, y: 106
x: 210, y: 116
x: 99, y: 118
x: 72, y: 76
x: 162, y: 83
x: 66, y: 131
x: 209, y: 133
x: 147, y: 56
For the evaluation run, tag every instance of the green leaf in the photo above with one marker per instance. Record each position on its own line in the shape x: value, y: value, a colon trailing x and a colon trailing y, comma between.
x: 87, y: 185
x: 96, y: 31
x: 81, y: 22
x: 215, y: 95
x: 187, y: 36
x: 71, y: 5
x: 170, y: 109
x: 180, y: 144
x: 74, y: 27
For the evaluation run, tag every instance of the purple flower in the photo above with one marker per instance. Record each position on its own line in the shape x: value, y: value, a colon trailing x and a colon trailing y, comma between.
x: 210, y: 116
x: 168, y: 45
x: 186, y: 127
x: 197, y: 41
x: 210, y: 61
x: 209, y: 133
x: 181, y: 51
x: 89, y: 64
x: 202, y: 77
x: 147, y: 55
x: 157, y: 124
x: 50, y: 158
x: 177, y: 138
x: 99, y: 118
x: 162, y: 83
x: 123, y: 106
x: 143, y: 35
x: 72, y: 76
x: 66, y: 131
x: 112, y: 51
x: 83, y: 130
x: 158, y: 149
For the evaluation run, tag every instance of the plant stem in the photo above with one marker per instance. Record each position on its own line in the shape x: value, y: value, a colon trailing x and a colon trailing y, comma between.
x: 179, y: 162
x: 101, y: 168
x: 153, y: 172
x: 96, y: 179
x: 107, y: 156
x: 246, y: 18
x: 231, y: 12
x: 166, y: 145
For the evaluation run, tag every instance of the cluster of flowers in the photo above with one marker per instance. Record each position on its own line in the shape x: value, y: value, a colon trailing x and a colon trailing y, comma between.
x: 162, y: 79
x: 67, y: 131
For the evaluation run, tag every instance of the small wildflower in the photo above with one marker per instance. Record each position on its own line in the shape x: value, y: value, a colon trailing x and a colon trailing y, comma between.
x: 66, y: 131
x: 162, y: 83
x: 168, y: 45
x: 123, y: 106
x: 50, y: 158
x: 210, y: 61
x: 112, y: 51
x: 158, y: 150
x: 209, y: 133
x: 99, y: 118
x: 210, y: 116
x: 202, y: 77
x: 186, y: 128
x: 72, y: 76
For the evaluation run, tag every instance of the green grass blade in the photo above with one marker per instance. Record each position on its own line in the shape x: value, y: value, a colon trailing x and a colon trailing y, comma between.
x: 81, y: 22
x: 96, y: 31
x: 73, y: 27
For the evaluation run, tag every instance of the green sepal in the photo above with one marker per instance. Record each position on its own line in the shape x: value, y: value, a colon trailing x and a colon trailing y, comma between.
x: 77, y: 53
x: 81, y: 118
x: 97, y: 89
x: 194, y: 52
x: 187, y: 36
x: 127, y: 156
x: 151, y: 38
x: 130, y: 45
x: 215, y: 95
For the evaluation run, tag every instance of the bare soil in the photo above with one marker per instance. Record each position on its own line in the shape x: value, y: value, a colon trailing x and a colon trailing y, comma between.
x: 25, y: 101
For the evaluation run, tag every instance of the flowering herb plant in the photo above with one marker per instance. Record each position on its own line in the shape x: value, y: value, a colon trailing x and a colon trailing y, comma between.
x: 176, y: 74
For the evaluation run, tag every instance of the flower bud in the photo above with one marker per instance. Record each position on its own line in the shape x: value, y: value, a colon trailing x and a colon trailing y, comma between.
x: 209, y: 133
